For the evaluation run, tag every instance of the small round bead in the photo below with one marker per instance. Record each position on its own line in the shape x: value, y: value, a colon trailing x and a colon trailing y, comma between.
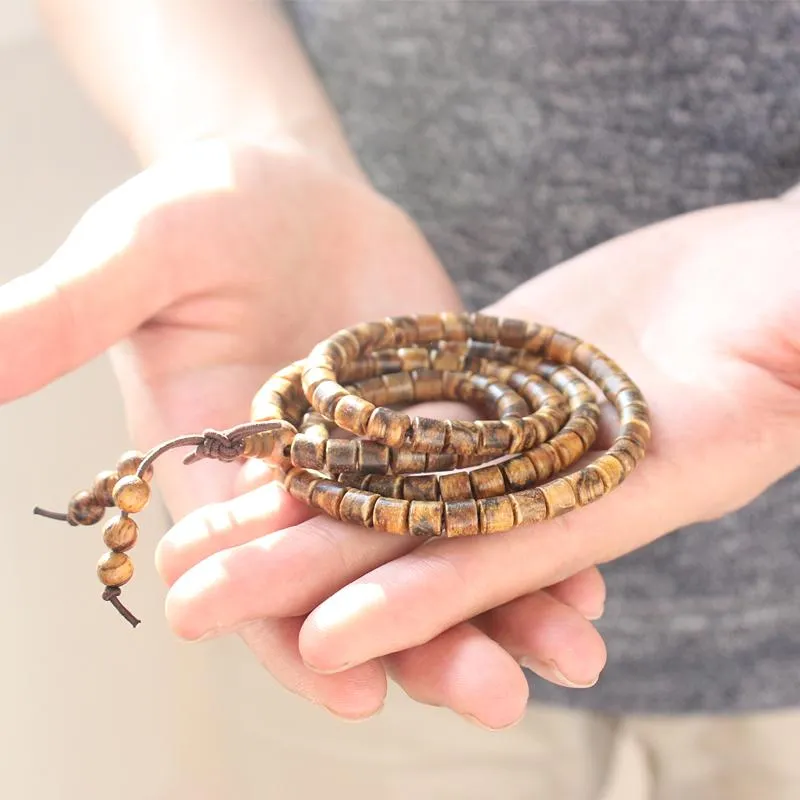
x: 131, y: 494
x: 120, y: 534
x: 129, y: 462
x: 114, y: 569
x: 103, y: 487
x: 85, y: 509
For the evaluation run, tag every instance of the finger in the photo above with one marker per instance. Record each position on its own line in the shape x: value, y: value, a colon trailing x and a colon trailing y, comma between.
x: 354, y: 695
x: 414, y: 598
x: 285, y: 573
x: 221, y: 526
x: 57, y: 317
x: 585, y: 592
x: 549, y: 637
x: 464, y: 670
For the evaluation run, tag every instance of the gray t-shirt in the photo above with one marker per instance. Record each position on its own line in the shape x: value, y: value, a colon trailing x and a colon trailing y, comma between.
x: 518, y: 134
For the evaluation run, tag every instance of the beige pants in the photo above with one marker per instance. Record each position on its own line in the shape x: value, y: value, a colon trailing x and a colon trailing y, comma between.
x: 410, y: 751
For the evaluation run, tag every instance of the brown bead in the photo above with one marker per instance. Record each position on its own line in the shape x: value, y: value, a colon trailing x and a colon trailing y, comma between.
x: 373, y: 457
x: 391, y: 515
x: 536, y: 389
x: 85, y: 509
x: 120, y: 534
x: 495, y: 514
x: 103, y: 487
x: 559, y: 496
x: 129, y: 462
x: 461, y: 518
x: 425, y: 518
x: 300, y: 484
x: 357, y: 506
x: 588, y: 485
x: 421, y: 487
x: 455, y: 486
x: 529, y: 506
x: 131, y: 494
x: 519, y: 473
x: 327, y: 496
x: 487, y: 482
x: 427, y: 435
x: 389, y: 427
x: 352, y: 414
x: 341, y: 455
x: 114, y: 569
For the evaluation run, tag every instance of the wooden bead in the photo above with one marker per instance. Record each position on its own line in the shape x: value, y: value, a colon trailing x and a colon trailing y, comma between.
x: 114, y: 569
x: 131, y: 494
x: 85, y: 509
x: 103, y: 487
x: 487, y: 482
x: 495, y: 514
x: 559, y: 495
x: 425, y: 518
x: 357, y: 506
x: 129, y: 462
x: 461, y: 518
x: 391, y: 515
x: 537, y: 389
x: 529, y: 506
x: 120, y: 534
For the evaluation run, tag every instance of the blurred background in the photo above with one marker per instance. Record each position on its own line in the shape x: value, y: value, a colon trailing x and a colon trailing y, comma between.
x: 90, y: 708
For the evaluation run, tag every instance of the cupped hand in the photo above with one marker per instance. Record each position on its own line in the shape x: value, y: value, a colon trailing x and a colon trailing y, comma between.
x: 203, y: 275
x: 702, y: 312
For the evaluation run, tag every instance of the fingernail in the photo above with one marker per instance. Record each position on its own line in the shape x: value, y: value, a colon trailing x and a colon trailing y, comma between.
x: 357, y: 718
x: 594, y: 617
x: 550, y: 671
x: 475, y: 721
x: 329, y: 670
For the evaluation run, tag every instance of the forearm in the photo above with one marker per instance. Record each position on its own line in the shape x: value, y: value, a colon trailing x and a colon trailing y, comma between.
x: 167, y: 72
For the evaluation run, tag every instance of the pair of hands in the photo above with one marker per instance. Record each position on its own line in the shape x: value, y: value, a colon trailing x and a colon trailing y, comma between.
x: 212, y: 269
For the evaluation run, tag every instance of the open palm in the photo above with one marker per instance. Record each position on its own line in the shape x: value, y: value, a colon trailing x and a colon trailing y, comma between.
x: 701, y: 311
x: 203, y: 275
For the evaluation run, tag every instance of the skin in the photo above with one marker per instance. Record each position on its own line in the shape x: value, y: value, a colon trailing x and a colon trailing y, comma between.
x: 214, y: 266
x: 192, y: 342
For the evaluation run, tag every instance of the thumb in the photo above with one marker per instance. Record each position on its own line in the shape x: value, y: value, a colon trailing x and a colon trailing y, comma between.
x: 97, y: 288
x: 115, y: 270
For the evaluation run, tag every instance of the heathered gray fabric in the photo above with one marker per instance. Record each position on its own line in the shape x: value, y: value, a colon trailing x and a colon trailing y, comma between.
x: 518, y: 134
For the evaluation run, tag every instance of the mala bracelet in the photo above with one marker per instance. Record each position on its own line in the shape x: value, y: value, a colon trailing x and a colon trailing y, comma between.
x: 330, y: 423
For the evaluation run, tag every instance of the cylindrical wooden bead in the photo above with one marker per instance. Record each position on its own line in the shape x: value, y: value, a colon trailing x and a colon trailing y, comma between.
x: 327, y: 496
x: 455, y: 486
x: 421, y: 487
x: 461, y: 518
x: 307, y: 453
x: 559, y: 496
x: 391, y: 515
x: 389, y: 427
x: 300, y: 484
x: 529, y: 506
x: 519, y: 473
x: 588, y: 485
x: 357, y: 506
x: 487, y: 482
x: 425, y: 518
x: 427, y: 435
x: 495, y: 514
x: 352, y: 414
x: 341, y: 455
